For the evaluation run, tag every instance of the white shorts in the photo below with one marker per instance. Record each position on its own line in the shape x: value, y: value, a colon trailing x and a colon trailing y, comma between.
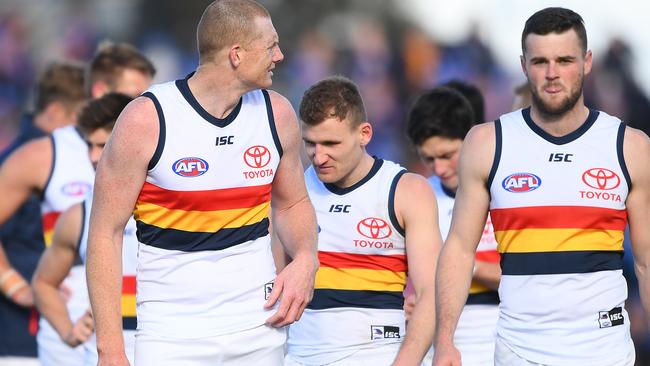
x: 504, y: 356
x: 383, y: 355
x: 52, y: 351
x: 19, y: 361
x: 262, y: 345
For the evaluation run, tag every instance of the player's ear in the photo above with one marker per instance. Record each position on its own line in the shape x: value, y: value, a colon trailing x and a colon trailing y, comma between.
x: 365, y: 133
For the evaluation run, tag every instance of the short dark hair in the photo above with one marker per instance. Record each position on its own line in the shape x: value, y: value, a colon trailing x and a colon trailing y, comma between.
x: 442, y: 112
x: 102, y: 113
x: 111, y: 59
x: 554, y: 20
x: 335, y: 96
x: 473, y: 96
x: 63, y: 83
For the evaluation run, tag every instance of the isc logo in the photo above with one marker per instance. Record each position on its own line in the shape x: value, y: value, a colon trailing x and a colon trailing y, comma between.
x: 384, y: 332
x: 521, y: 182
x: 340, y: 208
x: 190, y: 167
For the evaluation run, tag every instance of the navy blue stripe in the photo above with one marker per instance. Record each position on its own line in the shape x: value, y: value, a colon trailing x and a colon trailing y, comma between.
x: 621, y: 158
x: 497, y: 152
x: 83, y: 227
x: 391, y: 204
x: 560, y: 262
x: 162, y: 131
x: 129, y: 322
x: 184, y: 88
x: 188, y: 241
x: 341, y: 191
x: 269, y: 112
x: 560, y: 140
x: 49, y: 176
x: 483, y: 298
x: 328, y: 299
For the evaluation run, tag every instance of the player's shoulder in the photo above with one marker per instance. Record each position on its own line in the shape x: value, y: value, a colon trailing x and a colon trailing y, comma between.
x: 33, y: 153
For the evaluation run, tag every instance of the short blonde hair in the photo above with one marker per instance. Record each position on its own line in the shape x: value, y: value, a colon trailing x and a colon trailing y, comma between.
x: 225, y: 22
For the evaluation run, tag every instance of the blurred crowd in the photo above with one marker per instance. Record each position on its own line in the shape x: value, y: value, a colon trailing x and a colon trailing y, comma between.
x: 390, y: 59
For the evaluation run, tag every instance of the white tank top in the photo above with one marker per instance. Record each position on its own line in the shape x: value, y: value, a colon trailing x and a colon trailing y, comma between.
x: 358, y: 300
x: 558, y: 210
x: 477, y: 323
x: 71, y: 177
x: 205, y: 266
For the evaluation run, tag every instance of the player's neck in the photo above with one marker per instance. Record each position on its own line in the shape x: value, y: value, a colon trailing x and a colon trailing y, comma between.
x: 216, y: 92
x: 359, y: 172
x: 563, y: 124
x: 48, y: 123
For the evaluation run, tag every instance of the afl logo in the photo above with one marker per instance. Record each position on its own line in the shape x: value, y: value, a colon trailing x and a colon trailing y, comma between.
x: 75, y: 189
x: 521, y: 182
x: 374, y: 228
x: 601, y: 178
x: 257, y: 156
x: 190, y: 167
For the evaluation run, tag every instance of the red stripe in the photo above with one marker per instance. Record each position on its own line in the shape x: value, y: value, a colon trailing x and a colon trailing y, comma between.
x: 558, y: 217
x: 128, y: 285
x: 49, y: 220
x: 491, y: 256
x: 395, y: 263
x: 212, y: 200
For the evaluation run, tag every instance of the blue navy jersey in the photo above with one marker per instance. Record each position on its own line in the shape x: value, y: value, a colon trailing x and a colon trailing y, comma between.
x: 22, y: 240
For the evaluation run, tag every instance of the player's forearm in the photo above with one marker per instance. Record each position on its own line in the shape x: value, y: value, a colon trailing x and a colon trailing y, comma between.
x: 104, y: 275
x: 453, y: 279
x: 642, y: 269
x: 296, y: 229
x: 419, y: 333
x: 51, y: 306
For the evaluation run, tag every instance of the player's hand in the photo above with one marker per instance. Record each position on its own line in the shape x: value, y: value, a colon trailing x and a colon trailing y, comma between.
x: 81, y: 330
x: 446, y: 355
x: 24, y: 297
x: 294, y: 287
x: 409, y: 305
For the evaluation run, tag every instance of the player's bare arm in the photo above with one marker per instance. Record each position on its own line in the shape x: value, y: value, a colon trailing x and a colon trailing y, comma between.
x: 24, y: 172
x: 120, y: 175
x: 487, y: 273
x: 417, y: 212
x: 53, y: 267
x: 457, y: 257
x: 636, y: 150
x: 294, y: 221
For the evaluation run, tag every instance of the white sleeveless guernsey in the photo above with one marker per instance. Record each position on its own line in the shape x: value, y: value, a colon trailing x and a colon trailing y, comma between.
x: 558, y: 210
x: 204, y: 265
x: 70, y: 180
x: 358, y: 300
x: 129, y: 264
x: 476, y: 330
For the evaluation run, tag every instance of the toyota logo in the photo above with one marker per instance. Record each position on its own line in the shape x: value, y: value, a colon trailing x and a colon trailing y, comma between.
x: 601, y: 178
x: 374, y: 228
x: 257, y: 156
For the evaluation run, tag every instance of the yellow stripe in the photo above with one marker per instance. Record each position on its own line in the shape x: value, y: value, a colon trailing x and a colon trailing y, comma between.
x: 478, y: 288
x: 47, y: 237
x: 359, y: 279
x: 128, y: 305
x: 558, y: 240
x: 200, y: 221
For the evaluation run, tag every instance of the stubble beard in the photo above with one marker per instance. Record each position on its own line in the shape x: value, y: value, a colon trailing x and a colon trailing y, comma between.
x: 550, y: 112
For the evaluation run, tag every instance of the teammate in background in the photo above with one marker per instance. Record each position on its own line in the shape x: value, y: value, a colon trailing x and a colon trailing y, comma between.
x: 69, y: 242
x: 473, y: 96
x: 377, y: 223
x: 59, y: 94
x: 197, y: 160
x: 523, y: 97
x: 560, y: 182
x: 436, y: 126
x: 57, y: 169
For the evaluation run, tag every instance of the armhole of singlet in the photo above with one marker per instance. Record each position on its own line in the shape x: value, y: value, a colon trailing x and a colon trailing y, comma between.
x: 497, y: 153
x: 162, y: 131
x: 83, y: 227
x: 49, y: 176
x: 269, y: 112
x: 391, y: 204
x: 621, y: 158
